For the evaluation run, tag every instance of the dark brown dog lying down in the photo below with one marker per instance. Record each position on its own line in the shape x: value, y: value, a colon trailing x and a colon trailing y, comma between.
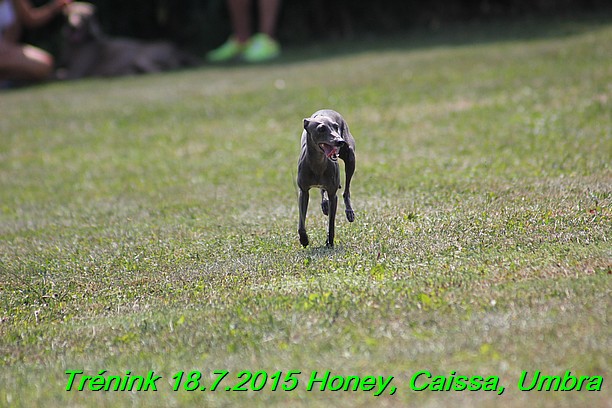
x: 89, y: 53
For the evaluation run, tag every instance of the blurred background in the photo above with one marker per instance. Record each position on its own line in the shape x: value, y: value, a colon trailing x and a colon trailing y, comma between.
x: 200, y: 25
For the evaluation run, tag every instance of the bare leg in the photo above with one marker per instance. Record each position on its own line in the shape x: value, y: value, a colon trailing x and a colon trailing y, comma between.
x: 240, y: 14
x: 24, y: 62
x: 268, y: 15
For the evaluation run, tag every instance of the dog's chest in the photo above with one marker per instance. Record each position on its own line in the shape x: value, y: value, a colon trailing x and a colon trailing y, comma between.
x: 326, y: 177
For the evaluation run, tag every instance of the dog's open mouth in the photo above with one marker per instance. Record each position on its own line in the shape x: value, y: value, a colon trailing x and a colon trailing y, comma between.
x: 330, y: 151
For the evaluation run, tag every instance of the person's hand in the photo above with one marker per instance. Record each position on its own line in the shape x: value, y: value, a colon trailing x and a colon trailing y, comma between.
x: 61, y: 4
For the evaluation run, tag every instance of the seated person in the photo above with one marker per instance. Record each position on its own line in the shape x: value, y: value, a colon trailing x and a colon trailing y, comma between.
x: 18, y: 61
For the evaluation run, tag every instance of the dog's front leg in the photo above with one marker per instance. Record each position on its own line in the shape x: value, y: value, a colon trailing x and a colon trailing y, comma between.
x: 303, y: 205
x: 349, y: 168
x: 333, y: 205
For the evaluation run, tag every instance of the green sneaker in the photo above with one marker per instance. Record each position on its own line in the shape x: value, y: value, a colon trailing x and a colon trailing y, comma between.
x: 260, y: 48
x: 228, y: 51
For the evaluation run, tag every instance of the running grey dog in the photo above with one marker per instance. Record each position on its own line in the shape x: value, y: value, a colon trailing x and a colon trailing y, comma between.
x: 325, y: 137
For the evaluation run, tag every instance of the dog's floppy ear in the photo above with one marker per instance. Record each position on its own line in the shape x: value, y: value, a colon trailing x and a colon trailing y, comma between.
x: 306, y: 122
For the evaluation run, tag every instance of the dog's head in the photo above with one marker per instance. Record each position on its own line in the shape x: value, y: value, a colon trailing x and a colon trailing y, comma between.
x: 81, y: 23
x: 326, y: 135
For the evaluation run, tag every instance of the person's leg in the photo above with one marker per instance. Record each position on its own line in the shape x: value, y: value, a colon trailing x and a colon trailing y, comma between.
x: 268, y: 15
x: 24, y: 62
x: 240, y: 14
x: 263, y: 46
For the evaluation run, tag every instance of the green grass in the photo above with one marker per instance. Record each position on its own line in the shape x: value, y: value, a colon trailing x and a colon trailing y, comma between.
x: 150, y: 223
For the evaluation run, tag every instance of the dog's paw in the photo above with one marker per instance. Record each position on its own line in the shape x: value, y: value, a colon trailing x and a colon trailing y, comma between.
x: 325, y: 207
x: 350, y: 215
x: 303, y: 238
x: 329, y: 244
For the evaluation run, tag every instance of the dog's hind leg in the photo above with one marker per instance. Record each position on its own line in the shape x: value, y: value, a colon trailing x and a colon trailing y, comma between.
x: 303, y: 206
x: 333, y: 205
x: 349, y: 168
x: 324, y: 202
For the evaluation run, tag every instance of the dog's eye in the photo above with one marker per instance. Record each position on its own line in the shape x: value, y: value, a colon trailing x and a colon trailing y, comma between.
x: 336, y: 127
x: 321, y: 128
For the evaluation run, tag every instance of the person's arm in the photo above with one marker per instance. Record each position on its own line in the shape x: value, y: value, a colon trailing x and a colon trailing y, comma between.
x: 33, y: 17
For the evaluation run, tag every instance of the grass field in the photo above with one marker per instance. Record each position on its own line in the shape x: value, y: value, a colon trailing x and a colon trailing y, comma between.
x: 150, y: 224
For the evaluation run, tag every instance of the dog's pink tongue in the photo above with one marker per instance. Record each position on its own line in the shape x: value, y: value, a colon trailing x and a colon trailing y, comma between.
x: 329, y: 150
